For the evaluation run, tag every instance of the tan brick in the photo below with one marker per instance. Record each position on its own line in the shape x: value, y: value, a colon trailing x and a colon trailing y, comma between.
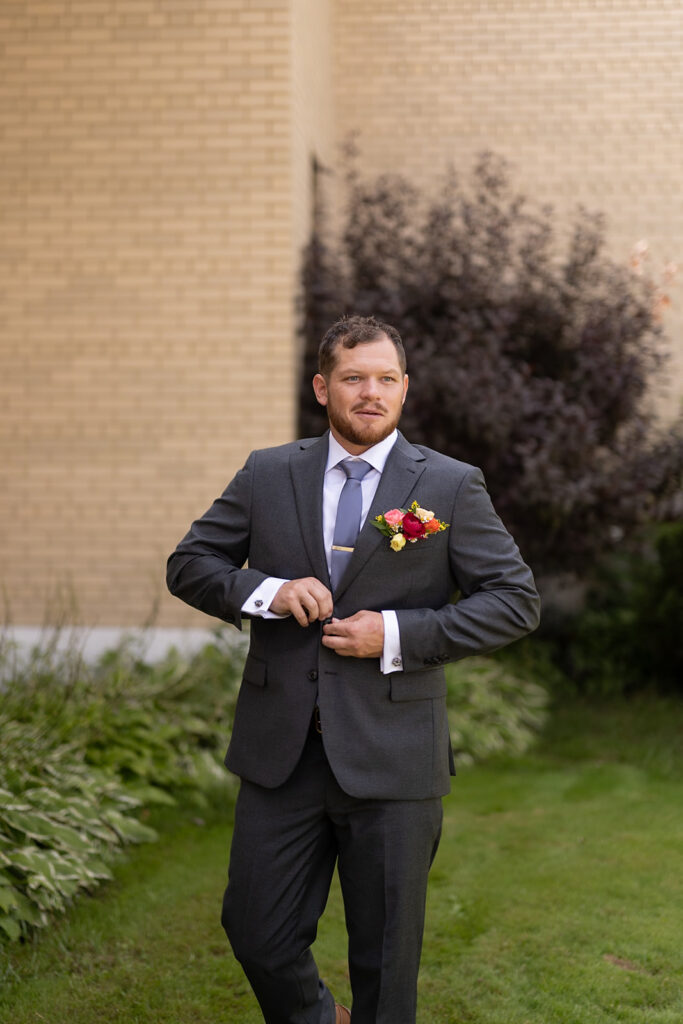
x: 155, y: 179
x: 127, y: 268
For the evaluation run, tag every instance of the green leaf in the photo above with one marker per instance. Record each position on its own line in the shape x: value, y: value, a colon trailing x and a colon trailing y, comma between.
x: 66, y: 870
x: 8, y: 898
x: 37, y: 864
x: 40, y: 826
x: 129, y: 829
x: 152, y: 795
x: 69, y: 838
x: 30, y: 823
x: 68, y: 887
x: 97, y: 869
x: 100, y: 832
x: 28, y: 911
x: 50, y: 800
x: 48, y: 900
x: 11, y: 927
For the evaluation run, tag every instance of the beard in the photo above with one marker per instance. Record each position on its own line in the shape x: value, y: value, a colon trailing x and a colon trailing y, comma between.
x: 361, y: 434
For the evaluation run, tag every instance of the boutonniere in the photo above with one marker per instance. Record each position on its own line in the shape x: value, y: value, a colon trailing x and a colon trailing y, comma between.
x: 412, y: 524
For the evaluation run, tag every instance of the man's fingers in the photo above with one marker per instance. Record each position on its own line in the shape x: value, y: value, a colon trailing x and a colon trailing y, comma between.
x: 345, y: 645
x: 325, y: 603
x: 309, y: 608
x: 342, y: 627
x: 360, y: 635
x: 306, y: 599
x: 336, y: 637
x: 300, y: 614
x: 303, y: 605
x: 315, y: 599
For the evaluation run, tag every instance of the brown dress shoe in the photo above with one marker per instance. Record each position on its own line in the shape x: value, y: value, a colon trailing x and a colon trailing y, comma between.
x: 343, y: 1016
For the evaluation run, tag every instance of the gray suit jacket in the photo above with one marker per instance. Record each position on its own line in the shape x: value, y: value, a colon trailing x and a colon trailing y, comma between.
x: 386, y: 736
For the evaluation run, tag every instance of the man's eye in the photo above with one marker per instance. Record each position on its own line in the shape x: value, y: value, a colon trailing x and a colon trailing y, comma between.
x: 353, y: 378
x: 389, y: 380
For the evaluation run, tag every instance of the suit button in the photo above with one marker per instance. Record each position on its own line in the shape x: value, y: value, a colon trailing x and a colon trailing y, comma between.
x: 313, y: 675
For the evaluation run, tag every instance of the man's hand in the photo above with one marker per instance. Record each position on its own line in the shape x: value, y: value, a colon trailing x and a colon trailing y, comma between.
x: 307, y: 599
x: 359, y: 636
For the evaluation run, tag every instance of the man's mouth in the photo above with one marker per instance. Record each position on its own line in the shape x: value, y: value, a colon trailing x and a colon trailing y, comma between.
x: 372, y: 413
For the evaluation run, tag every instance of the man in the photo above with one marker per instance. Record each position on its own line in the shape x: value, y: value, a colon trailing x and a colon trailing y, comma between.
x: 341, y: 734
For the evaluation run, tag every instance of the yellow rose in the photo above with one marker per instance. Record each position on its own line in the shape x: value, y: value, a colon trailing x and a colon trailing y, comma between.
x: 397, y: 542
x: 423, y: 515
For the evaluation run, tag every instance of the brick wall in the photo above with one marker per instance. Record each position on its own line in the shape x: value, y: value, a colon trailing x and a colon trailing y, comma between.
x: 583, y: 96
x: 155, y: 187
x: 146, y: 297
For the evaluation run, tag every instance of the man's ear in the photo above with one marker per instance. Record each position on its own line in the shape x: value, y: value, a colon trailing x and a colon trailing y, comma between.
x: 320, y: 388
x: 405, y: 387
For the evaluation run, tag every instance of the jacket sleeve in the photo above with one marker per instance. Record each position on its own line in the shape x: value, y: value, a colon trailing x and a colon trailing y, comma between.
x: 206, y: 570
x: 498, y: 599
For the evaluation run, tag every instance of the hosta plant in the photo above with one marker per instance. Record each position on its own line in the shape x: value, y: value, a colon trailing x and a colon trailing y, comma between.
x: 491, y: 709
x: 84, y: 748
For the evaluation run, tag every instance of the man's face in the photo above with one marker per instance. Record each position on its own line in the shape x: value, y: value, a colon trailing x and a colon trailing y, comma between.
x: 364, y: 393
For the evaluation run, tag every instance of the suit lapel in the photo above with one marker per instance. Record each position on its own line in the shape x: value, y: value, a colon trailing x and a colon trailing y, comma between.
x: 403, y: 469
x: 307, y: 468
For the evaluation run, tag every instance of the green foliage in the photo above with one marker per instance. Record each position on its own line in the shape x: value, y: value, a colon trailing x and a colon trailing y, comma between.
x: 60, y: 820
x: 491, y: 709
x: 85, y: 748
x: 630, y: 635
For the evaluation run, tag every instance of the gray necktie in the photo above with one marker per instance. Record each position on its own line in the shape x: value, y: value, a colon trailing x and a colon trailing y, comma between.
x: 347, y: 523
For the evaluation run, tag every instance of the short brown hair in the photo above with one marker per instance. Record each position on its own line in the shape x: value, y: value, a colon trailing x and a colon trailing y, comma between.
x: 356, y: 330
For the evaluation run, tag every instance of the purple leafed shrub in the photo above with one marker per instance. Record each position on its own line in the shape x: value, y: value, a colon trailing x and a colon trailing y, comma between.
x: 533, y: 359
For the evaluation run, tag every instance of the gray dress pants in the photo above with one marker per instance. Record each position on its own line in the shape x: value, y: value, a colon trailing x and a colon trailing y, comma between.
x: 285, y: 845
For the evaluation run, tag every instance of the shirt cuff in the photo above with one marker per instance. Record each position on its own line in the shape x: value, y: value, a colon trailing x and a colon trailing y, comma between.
x: 259, y: 601
x: 391, y: 659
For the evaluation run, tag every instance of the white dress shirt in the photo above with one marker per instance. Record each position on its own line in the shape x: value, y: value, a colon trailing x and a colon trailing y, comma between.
x: 335, y: 477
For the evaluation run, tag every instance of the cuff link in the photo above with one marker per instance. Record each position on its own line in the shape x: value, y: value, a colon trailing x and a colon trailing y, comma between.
x: 397, y: 662
x: 258, y: 604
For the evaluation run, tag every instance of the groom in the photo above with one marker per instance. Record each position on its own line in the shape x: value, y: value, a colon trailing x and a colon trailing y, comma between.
x: 341, y: 734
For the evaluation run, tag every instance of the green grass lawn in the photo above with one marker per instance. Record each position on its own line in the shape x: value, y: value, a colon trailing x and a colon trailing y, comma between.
x: 556, y: 898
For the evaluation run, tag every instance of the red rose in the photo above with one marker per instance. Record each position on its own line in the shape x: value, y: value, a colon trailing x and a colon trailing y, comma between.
x: 412, y: 527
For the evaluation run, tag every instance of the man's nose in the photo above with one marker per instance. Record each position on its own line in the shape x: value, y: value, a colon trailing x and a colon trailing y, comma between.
x: 370, y: 388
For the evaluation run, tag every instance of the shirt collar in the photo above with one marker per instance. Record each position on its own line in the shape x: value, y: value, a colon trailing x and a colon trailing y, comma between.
x: 376, y: 456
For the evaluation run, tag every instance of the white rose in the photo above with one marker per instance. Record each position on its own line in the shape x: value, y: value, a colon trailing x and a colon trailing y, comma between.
x: 424, y: 515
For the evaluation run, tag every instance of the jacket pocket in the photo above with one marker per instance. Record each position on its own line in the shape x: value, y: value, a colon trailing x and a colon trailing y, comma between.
x: 254, y: 671
x: 418, y: 685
